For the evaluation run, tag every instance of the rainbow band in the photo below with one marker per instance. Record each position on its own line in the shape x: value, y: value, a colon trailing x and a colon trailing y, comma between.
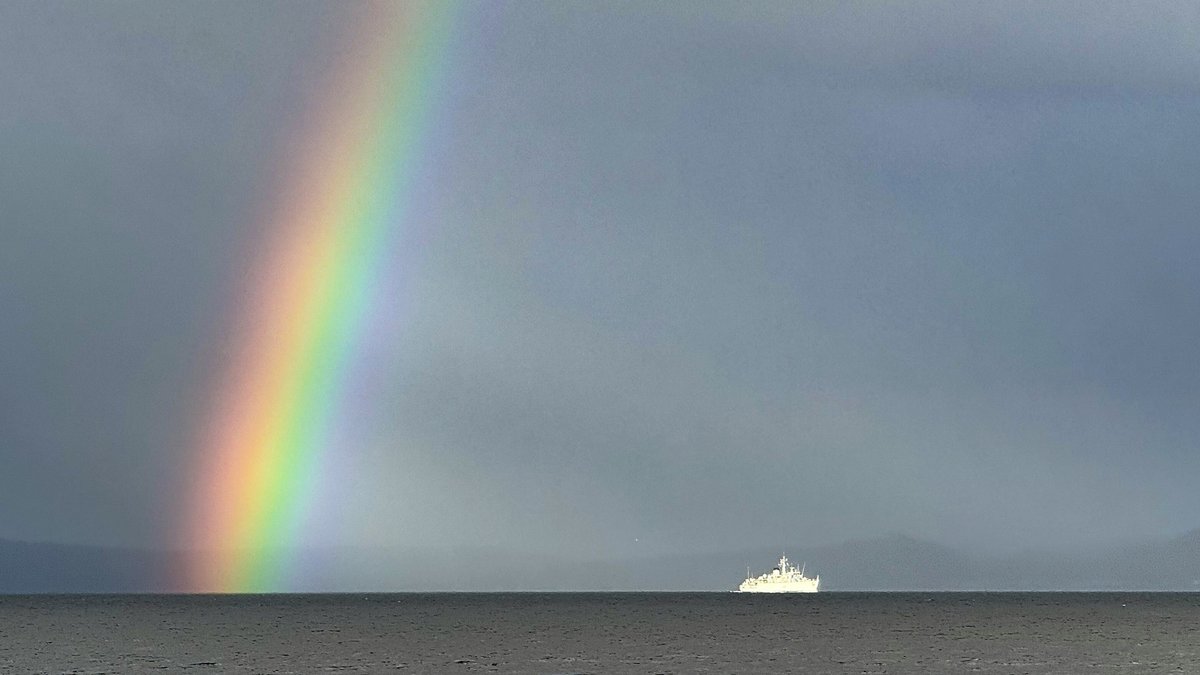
x: 340, y: 214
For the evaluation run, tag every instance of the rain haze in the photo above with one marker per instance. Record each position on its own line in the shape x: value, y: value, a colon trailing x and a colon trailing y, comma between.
x: 682, y: 279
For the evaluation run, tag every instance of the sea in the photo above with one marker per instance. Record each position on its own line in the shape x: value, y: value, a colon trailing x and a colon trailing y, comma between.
x: 603, y: 633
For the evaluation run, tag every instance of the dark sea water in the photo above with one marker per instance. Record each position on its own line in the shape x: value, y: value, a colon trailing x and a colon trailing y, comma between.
x: 604, y: 632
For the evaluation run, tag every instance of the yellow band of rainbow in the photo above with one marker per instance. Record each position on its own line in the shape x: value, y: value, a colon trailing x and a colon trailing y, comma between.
x: 344, y: 199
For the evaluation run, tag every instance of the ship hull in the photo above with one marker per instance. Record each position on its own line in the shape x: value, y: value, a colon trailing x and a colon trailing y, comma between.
x: 778, y: 588
x: 784, y: 578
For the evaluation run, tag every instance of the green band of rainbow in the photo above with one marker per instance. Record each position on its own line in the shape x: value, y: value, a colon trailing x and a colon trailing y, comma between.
x: 344, y: 201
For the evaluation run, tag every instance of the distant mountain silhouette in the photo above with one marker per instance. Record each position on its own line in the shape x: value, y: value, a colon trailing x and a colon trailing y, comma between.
x: 893, y: 563
x: 903, y: 563
x: 59, y: 568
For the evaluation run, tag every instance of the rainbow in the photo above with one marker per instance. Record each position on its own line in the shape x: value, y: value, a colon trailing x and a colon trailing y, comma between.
x: 344, y: 202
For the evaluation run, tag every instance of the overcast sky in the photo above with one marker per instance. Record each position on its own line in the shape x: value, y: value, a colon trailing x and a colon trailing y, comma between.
x: 691, y: 276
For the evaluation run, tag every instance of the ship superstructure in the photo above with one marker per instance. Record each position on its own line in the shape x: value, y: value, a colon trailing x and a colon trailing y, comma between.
x: 785, y: 578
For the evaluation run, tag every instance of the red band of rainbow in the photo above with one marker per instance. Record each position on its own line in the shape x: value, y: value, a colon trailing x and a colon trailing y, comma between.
x: 343, y: 201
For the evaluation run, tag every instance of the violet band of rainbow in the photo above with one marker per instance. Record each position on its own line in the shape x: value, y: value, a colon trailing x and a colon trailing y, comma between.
x: 342, y: 207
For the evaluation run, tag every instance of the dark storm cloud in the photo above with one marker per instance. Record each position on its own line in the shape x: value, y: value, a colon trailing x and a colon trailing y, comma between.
x: 751, y: 275
x: 875, y: 266
x: 132, y: 137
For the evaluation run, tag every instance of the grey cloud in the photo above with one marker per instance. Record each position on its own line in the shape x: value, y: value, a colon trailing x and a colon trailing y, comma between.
x: 701, y: 278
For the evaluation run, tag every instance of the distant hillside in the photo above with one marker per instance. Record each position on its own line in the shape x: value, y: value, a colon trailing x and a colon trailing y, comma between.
x: 902, y: 563
x: 899, y: 563
x: 43, y: 568
x: 894, y: 563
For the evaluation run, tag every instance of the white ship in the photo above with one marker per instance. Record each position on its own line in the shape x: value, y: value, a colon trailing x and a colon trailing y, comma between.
x: 783, y: 579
